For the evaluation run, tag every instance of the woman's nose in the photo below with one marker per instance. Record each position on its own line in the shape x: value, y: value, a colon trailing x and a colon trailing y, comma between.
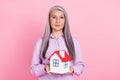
x: 57, y: 20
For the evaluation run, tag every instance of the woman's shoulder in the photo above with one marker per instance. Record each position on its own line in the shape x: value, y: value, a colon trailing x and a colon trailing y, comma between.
x: 39, y: 41
x: 75, y: 40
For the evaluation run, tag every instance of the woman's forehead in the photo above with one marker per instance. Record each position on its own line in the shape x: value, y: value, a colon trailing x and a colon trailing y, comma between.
x: 59, y: 12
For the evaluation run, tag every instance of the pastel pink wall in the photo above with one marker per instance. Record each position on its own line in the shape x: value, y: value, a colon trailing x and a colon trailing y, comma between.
x: 95, y: 23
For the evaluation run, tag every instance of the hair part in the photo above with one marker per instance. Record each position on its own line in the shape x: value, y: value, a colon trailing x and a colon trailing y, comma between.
x: 66, y: 31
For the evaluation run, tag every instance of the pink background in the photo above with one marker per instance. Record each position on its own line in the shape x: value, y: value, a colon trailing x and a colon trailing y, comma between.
x: 95, y: 23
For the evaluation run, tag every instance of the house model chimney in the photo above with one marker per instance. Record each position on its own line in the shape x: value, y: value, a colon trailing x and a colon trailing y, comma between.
x: 62, y: 53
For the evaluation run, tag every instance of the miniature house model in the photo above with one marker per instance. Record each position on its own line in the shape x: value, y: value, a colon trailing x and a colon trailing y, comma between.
x: 59, y: 62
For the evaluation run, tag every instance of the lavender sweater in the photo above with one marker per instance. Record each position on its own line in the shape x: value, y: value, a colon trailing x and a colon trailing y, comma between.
x: 37, y: 68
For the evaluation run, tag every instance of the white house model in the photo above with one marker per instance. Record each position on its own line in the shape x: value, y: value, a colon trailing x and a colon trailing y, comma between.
x: 60, y: 62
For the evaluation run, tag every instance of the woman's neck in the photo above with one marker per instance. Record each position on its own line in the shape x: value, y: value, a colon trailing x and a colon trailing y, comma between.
x: 57, y: 34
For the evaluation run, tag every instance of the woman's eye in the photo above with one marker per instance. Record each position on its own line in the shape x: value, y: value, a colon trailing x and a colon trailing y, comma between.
x: 61, y: 17
x: 53, y: 17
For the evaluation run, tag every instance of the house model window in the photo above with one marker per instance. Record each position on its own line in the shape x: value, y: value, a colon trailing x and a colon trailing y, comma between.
x: 55, y: 63
x: 60, y: 62
x: 65, y: 65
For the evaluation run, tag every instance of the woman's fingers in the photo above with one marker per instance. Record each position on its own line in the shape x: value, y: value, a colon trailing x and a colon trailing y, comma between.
x: 71, y: 69
x: 47, y: 68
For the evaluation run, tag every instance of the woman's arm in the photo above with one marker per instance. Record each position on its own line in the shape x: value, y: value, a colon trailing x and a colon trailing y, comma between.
x: 37, y: 68
x: 78, y: 65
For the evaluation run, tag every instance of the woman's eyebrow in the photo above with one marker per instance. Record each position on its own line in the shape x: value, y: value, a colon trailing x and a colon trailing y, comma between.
x: 53, y: 15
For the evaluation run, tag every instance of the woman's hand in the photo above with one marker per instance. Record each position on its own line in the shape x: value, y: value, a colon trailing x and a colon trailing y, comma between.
x: 47, y: 69
x: 71, y: 69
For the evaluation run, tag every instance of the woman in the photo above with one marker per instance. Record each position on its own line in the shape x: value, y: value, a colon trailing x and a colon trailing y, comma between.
x: 57, y: 36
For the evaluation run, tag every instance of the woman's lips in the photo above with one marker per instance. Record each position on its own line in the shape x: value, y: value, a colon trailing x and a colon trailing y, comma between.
x: 57, y: 25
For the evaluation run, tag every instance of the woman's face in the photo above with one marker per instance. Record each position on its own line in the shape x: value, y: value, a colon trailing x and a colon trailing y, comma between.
x: 57, y: 20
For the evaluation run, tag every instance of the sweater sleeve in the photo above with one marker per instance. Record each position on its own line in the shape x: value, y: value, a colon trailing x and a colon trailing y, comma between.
x: 37, y: 68
x: 78, y: 63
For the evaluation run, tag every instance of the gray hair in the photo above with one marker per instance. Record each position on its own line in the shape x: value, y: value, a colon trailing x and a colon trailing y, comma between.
x: 66, y: 32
